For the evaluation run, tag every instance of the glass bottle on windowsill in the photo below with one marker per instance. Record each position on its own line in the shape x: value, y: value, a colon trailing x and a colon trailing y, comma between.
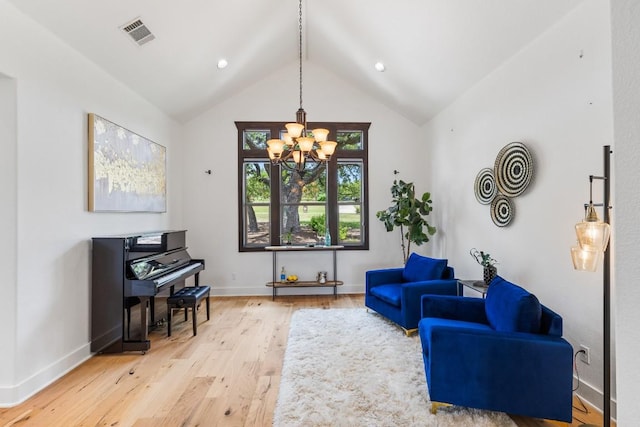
x: 327, y: 238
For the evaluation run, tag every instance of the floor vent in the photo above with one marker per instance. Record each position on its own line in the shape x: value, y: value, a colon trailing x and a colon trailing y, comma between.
x: 138, y: 31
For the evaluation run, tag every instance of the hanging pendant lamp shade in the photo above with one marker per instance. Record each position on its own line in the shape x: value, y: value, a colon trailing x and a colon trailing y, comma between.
x: 593, y: 234
x: 585, y: 259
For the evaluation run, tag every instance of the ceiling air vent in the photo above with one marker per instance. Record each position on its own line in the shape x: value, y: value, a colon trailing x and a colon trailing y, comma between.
x: 138, y: 31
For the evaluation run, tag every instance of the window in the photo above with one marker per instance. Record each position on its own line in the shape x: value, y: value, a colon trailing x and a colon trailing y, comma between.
x: 277, y: 205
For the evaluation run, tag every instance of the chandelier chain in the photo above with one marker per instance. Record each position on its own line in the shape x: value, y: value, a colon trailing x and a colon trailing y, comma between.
x: 297, y: 146
x: 300, y: 48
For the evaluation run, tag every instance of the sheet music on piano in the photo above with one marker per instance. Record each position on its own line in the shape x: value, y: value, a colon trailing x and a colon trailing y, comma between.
x: 127, y: 273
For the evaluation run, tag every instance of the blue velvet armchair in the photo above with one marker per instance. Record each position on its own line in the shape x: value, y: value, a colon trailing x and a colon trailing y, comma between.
x: 395, y: 292
x: 503, y: 353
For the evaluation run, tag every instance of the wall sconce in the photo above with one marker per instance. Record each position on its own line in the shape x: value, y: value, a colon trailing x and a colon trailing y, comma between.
x: 593, y: 238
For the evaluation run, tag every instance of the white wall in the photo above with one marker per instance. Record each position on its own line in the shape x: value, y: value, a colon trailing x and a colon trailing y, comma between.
x: 554, y: 96
x: 625, y: 24
x: 44, y: 219
x: 8, y: 217
x: 211, y: 200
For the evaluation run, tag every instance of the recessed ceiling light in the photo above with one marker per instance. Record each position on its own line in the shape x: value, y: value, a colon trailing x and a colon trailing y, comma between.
x: 380, y: 66
x: 222, y: 63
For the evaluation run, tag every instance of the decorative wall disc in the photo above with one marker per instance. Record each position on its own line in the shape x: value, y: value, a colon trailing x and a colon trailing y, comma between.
x: 502, y: 210
x: 485, y: 186
x: 513, y: 169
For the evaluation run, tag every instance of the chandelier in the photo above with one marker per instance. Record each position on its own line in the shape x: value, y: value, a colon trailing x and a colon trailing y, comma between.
x: 298, y: 145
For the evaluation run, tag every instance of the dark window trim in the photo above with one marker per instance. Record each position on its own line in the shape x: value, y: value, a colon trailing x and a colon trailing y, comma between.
x: 332, y: 181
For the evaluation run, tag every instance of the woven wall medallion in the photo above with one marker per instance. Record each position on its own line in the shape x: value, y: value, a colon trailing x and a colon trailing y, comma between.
x: 513, y: 169
x: 485, y: 186
x: 502, y: 210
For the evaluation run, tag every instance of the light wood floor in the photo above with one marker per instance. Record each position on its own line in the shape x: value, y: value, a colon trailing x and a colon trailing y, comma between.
x: 228, y: 375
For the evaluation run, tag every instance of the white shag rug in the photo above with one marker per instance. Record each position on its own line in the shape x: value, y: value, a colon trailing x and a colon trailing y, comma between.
x: 350, y: 367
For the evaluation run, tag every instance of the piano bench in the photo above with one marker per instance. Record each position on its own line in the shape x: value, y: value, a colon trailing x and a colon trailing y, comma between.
x: 187, y: 297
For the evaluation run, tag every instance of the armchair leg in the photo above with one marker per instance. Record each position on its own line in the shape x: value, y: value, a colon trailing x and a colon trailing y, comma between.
x: 436, y: 405
x: 409, y: 332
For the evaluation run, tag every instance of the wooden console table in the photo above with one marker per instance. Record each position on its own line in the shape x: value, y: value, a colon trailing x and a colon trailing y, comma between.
x: 275, y: 284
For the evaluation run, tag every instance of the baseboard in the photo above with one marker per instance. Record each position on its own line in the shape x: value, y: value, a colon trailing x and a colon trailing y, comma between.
x: 593, y: 397
x: 13, y: 395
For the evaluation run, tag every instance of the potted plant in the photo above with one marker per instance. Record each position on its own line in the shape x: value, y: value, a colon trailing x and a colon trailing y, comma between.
x: 409, y: 213
x: 487, y: 262
x: 287, y: 237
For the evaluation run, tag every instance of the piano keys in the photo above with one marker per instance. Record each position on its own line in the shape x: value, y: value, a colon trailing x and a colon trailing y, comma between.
x: 148, y: 274
x: 127, y: 273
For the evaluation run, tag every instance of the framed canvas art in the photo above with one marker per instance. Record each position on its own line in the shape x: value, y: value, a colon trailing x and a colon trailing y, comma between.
x: 127, y: 172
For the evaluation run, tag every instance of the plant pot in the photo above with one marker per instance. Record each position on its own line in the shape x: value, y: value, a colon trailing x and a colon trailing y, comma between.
x: 489, y: 273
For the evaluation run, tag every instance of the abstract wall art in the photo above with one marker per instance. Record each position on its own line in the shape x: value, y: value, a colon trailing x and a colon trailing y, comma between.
x: 510, y: 177
x: 127, y: 172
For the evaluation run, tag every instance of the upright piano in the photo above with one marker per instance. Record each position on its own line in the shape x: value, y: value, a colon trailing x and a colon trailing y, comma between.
x: 127, y: 273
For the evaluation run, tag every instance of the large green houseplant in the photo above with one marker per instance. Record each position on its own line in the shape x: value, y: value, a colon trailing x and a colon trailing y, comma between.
x: 409, y: 213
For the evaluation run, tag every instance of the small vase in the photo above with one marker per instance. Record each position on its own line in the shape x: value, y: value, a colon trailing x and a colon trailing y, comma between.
x: 489, y: 273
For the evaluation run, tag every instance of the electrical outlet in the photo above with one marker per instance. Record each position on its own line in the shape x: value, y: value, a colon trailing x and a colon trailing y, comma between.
x: 585, y: 354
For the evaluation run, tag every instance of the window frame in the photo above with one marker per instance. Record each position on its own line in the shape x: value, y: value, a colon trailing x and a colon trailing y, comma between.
x: 275, y: 128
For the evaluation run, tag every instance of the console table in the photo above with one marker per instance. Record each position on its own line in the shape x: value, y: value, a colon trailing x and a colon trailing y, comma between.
x: 275, y: 284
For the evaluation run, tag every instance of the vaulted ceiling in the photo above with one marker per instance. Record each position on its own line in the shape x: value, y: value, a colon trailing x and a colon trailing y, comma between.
x: 433, y: 50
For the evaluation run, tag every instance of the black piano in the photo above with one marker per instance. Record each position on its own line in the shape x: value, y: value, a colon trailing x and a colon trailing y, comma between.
x: 127, y: 273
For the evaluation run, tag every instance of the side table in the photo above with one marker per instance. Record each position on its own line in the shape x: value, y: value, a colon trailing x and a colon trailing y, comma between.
x: 475, y: 285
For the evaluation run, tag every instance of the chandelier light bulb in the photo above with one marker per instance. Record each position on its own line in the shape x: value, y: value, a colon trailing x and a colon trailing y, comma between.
x: 287, y: 139
x: 294, y: 129
x: 328, y: 147
x: 320, y: 134
x: 276, y: 146
x: 297, y: 157
x: 305, y: 143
